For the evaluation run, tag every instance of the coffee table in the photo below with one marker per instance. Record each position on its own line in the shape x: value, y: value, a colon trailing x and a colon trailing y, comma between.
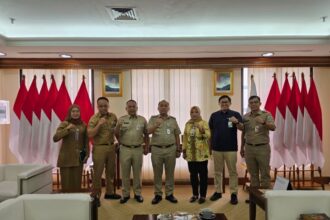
x: 218, y: 216
x: 256, y: 197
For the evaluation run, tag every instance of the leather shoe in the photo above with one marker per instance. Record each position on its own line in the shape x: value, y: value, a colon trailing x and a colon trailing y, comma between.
x: 156, y: 200
x: 112, y: 196
x: 138, y: 198
x: 201, y: 200
x: 193, y: 198
x: 171, y: 198
x: 233, y: 199
x: 216, y: 196
x: 124, y: 200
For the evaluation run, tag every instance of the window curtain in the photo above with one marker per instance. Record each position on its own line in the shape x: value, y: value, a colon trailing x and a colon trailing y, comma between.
x: 183, y: 88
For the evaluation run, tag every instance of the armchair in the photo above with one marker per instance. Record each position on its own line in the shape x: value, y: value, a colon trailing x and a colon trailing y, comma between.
x: 48, y: 206
x: 288, y: 205
x: 18, y: 179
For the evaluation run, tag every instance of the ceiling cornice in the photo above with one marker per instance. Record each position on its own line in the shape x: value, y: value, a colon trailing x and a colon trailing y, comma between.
x: 176, y: 41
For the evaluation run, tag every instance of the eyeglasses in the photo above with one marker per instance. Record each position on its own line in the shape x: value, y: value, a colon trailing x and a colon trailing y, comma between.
x: 253, y: 102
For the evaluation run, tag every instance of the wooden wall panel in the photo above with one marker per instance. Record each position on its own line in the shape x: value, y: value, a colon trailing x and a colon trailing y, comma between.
x: 213, y: 63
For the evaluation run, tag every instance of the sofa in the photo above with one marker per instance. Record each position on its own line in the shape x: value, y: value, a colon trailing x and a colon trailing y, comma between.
x: 48, y: 207
x: 288, y: 205
x: 18, y: 179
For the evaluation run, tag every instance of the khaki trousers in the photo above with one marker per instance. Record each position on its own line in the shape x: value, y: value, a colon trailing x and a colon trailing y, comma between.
x: 161, y: 157
x: 71, y: 178
x: 257, y: 162
x: 104, y: 156
x: 230, y: 158
x: 131, y: 158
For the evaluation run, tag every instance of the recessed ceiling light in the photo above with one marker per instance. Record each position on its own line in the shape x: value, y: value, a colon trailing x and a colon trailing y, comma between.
x: 2, y: 54
x: 65, y: 56
x: 268, y: 54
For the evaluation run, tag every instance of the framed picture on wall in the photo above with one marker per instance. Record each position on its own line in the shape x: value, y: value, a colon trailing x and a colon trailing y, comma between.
x: 112, y: 83
x: 4, y: 112
x: 223, y: 82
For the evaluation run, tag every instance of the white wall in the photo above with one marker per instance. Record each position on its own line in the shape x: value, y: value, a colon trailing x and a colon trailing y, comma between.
x: 9, y: 85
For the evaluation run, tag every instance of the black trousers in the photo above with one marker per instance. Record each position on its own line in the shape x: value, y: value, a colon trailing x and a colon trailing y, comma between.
x: 198, y: 177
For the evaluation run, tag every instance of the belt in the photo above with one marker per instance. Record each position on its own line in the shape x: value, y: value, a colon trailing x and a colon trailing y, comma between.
x: 255, y: 145
x: 131, y: 146
x: 163, y: 146
x: 105, y: 144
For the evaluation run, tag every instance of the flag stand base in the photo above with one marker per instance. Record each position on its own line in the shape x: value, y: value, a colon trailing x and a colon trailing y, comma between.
x: 302, y: 177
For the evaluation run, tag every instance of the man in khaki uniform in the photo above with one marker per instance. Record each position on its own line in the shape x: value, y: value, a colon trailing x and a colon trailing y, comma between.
x: 255, y: 143
x: 131, y: 133
x: 165, y: 147
x: 101, y: 129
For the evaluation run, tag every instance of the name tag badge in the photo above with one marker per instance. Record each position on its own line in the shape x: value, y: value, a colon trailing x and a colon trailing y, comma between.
x: 256, y: 129
x: 168, y: 131
x: 230, y: 124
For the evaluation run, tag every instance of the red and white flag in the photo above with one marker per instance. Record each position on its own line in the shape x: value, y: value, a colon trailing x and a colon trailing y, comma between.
x: 36, y: 132
x: 36, y: 116
x: 45, y: 138
x: 278, y: 138
x: 15, y: 120
x: 25, y: 129
x: 300, y: 123
x: 60, y: 110
x: 271, y: 105
x: 253, y: 90
x: 82, y: 99
x: 86, y: 108
x: 290, y: 127
x: 313, y: 127
x: 273, y: 97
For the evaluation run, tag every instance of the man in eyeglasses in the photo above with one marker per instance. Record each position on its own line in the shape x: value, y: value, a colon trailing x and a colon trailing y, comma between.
x: 255, y: 143
x: 223, y: 125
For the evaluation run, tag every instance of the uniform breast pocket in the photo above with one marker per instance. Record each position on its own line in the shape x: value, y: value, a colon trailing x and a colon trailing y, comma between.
x: 169, y: 130
x: 125, y: 126
x: 139, y: 127
x: 247, y: 123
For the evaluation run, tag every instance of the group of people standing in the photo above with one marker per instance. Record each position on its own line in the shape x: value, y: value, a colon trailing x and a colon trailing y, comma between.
x: 201, y: 140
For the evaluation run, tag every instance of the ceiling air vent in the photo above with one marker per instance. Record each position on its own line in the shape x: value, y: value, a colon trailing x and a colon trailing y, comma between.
x: 122, y: 14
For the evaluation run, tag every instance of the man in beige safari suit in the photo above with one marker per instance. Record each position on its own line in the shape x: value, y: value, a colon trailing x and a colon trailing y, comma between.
x: 255, y: 143
x: 131, y: 133
x: 165, y: 147
x: 101, y: 129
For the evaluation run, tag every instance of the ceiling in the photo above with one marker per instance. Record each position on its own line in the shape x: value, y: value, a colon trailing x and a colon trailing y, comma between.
x: 164, y: 28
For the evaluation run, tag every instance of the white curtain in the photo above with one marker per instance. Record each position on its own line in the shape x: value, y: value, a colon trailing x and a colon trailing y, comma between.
x: 183, y: 88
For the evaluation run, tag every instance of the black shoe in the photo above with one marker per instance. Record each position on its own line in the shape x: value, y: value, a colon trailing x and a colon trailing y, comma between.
x: 156, y: 200
x: 216, y: 196
x: 112, y: 196
x: 171, y: 198
x: 193, y: 198
x: 138, y: 198
x: 124, y: 199
x: 201, y: 200
x: 247, y: 201
x: 233, y: 199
